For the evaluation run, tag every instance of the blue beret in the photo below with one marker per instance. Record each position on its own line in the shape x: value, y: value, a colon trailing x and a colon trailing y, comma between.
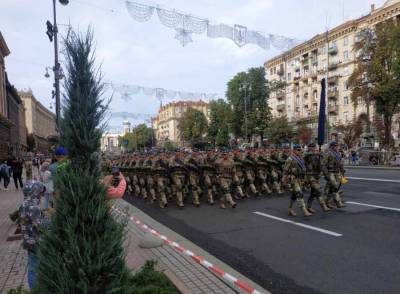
x: 61, y: 151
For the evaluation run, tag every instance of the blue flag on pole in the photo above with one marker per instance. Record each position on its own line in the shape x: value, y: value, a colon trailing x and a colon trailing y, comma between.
x: 322, y: 116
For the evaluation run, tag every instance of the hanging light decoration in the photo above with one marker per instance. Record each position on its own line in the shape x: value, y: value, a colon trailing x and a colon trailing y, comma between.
x: 185, y: 25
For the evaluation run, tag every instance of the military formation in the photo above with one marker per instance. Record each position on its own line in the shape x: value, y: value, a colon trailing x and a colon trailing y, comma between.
x: 227, y: 177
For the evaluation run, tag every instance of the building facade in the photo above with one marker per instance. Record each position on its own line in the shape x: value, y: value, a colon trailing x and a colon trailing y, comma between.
x: 109, y: 142
x: 328, y: 55
x: 16, y: 114
x: 165, y: 124
x: 40, y: 122
x: 5, y: 123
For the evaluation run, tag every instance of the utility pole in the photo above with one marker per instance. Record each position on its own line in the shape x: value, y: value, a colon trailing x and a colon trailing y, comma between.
x: 52, y: 32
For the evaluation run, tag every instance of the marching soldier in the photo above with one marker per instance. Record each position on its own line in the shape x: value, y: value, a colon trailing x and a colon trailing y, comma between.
x: 178, y: 172
x: 225, y: 168
x: 160, y: 170
x: 294, y: 172
x: 193, y: 178
x: 313, y: 165
x: 249, y: 167
x: 262, y: 173
x: 238, y: 176
x: 333, y: 171
x: 206, y: 164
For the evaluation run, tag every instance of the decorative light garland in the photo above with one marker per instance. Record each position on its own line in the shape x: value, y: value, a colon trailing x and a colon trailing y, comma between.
x: 185, y: 25
x: 127, y: 92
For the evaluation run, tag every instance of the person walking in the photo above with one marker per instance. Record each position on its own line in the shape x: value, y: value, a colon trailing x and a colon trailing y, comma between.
x: 5, y: 174
x: 16, y: 169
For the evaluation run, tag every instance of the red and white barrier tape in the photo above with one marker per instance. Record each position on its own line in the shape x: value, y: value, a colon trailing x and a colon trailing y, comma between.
x: 208, y: 265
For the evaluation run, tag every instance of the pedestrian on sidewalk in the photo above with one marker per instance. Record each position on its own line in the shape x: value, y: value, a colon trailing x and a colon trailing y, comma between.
x: 32, y: 223
x: 47, y: 180
x: 16, y: 169
x: 5, y: 174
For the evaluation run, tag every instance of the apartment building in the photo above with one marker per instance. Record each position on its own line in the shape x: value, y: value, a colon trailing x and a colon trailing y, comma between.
x: 327, y: 55
x: 165, y: 124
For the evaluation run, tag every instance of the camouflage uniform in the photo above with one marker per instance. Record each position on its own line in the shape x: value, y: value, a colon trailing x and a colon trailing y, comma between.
x: 295, y: 171
x: 238, y: 177
x: 333, y: 170
x: 249, y: 167
x: 313, y: 166
x: 193, y: 179
x: 178, y: 172
x: 206, y: 164
x: 225, y: 169
x: 160, y: 170
x: 262, y: 173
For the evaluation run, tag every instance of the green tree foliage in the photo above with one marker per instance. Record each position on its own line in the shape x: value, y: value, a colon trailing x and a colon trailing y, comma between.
x: 378, y: 64
x: 220, y: 121
x: 193, y: 126
x: 140, y: 137
x: 256, y: 93
x: 279, y: 131
x: 82, y: 250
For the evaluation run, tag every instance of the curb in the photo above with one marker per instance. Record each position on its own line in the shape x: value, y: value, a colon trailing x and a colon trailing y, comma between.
x: 200, y: 260
x: 371, y: 167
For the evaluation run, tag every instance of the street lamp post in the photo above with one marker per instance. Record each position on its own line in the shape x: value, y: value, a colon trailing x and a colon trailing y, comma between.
x: 246, y: 88
x: 53, y: 32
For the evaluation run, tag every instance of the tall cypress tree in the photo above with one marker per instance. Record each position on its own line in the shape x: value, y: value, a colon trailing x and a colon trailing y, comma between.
x: 82, y: 251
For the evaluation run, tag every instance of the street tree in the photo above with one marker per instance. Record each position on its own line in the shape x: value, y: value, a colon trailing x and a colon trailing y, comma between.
x: 303, y: 134
x: 141, y: 137
x: 193, y: 126
x: 377, y: 74
x: 279, y: 131
x: 82, y: 249
x: 220, y: 122
x: 247, y: 93
x: 351, y: 132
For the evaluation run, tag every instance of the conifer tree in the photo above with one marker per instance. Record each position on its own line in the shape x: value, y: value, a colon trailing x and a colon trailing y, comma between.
x: 82, y: 250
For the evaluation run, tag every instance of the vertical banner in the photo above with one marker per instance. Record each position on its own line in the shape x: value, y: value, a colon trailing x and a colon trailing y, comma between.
x: 322, y: 115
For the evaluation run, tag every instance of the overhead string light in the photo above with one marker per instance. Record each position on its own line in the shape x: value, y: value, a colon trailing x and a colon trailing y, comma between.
x: 127, y: 92
x: 185, y: 25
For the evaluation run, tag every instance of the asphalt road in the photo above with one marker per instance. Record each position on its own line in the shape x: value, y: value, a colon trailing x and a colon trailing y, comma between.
x: 353, y: 250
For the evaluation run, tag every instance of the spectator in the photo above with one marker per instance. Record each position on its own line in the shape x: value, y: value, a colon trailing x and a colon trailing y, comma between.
x: 32, y: 222
x: 5, y: 174
x: 354, y: 158
x: 117, y: 189
x: 16, y: 169
x: 47, y: 179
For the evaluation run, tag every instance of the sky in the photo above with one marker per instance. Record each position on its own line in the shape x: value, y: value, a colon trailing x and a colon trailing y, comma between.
x: 147, y: 54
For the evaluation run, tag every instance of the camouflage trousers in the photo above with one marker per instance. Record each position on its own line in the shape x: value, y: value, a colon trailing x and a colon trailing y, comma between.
x: 332, y: 188
x: 315, y: 190
x: 225, y: 188
x: 296, y: 186
x: 178, y: 181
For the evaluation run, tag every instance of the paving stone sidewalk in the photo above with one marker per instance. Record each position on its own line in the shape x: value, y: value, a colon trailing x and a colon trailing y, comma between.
x: 189, y: 276
x: 12, y: 255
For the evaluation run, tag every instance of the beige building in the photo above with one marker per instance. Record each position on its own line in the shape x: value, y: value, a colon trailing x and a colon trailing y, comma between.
x: 109, y: 142
x: 40, y: 121
x: 328, y: 55
x: 5, y: 123
x: 165, y: 124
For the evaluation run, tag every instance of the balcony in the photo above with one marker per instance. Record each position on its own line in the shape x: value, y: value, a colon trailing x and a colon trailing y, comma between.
x: 333, y: 65
x: 304, y: 78
x: 314, y: 60
x: 281, y: 107
x: 333, y: 109
x: 333, y: 79
x: 313, y: 74
x: 305, y: 60
x: 332, y: 93
x: 280, y: 72
x: 280, y: 95
x: 333, y: 50
x: 297, y: 68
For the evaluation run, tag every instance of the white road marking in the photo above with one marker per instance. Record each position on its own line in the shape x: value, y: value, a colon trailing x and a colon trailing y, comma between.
x: 299, y: 224
x: 371, y: 205
x: 374, y: 180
